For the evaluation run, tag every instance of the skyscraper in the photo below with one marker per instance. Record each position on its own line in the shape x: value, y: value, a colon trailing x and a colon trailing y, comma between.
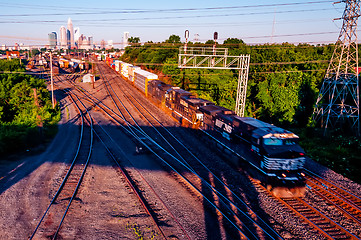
x: 68, y: 37
x: 91, y: 42
x: 102, y: 44
x: 125, y: 39
x: 52, y: 37
x: 77, y: 36
x: 71, y: 32
x: 63, y: 38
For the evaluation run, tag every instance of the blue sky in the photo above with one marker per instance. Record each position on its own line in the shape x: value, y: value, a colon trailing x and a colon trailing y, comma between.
x: 255, y: 22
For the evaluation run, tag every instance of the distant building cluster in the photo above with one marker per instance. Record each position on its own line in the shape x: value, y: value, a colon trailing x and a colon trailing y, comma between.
x: 17, y: 47
x: 70, y: 38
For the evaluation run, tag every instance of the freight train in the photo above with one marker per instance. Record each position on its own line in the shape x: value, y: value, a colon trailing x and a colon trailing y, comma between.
x: 269, y: 153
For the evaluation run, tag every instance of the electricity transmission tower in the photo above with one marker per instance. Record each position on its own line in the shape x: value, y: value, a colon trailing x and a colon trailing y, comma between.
x: 218, y: 58
x: 337, y: 104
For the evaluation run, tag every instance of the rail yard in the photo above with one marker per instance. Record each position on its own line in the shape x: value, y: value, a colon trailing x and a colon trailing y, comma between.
x: 124, y: 166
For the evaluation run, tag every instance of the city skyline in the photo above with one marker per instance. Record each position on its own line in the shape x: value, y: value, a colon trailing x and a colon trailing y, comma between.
x: 262, y: 22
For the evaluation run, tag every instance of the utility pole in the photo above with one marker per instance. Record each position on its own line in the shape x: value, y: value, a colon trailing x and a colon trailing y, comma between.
x: 338, y: 102
x: 51, y: 78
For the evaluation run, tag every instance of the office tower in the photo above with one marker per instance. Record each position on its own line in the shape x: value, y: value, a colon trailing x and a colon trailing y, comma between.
x: 110, y: 44
x: 125, y: 39
x: 68, y: 37
x: 77, y: 36
x: 63, y: 38
x: 52, y: 37
x: 102, y: 44
x: 71, y: 33
x: 91, y: 42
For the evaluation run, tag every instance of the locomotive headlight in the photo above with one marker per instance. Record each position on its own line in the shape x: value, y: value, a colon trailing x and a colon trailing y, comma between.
x: 283, y: 175
x: 302, y: 174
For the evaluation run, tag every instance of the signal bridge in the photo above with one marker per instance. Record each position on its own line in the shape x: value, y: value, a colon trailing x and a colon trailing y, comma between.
x: 217, y: 58
x: 200, y: 57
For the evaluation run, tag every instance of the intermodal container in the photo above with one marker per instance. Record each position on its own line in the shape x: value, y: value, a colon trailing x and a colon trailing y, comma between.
x: 141, y: 78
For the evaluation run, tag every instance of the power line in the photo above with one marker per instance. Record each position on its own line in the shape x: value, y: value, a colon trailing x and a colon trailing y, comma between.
x: 132, y: 11
x: 167, y: 17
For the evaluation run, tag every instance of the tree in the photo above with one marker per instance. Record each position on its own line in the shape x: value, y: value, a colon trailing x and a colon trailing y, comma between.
x: 134, y: 40
x: 173, y: 39
x: 233, y: 41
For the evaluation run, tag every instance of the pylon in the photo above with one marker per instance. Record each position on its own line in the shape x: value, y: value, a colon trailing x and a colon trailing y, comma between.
x: 337, y: 104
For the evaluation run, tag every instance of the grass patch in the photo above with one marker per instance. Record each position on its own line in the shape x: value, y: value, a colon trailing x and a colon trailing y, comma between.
x: 337, y: 151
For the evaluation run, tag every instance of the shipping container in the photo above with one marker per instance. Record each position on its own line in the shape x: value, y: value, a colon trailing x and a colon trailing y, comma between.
x: 141, y: 78
x: 124, y: 69
x: 131, y: 71
x: 117, y: 64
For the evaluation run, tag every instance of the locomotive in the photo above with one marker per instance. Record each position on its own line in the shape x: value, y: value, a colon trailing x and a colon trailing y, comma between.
x: 269, y: 153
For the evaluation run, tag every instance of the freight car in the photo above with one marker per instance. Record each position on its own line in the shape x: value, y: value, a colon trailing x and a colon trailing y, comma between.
x: 141, y: 79
x: 131, y: 70
x: 185, y: 105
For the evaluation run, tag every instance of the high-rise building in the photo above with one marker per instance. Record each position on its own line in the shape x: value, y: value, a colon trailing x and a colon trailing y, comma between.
x: 68, y: 37
x: 71, y: 33
x: 125, y: 39
x: 52, y: 37
x: 77, y: 36
x: 102, y: 44
x: 110, y: 44
x: 63, y: 38
x: 91, y: 42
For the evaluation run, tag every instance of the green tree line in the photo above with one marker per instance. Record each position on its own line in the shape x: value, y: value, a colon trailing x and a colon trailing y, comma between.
x: 284, y: 79
x: 26, y: 113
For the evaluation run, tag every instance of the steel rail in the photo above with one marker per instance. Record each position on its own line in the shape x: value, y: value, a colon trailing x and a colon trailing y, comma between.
x: 222, y: 197
x: 337, y: 190
x: 134, y: 187
x: 67, y: 176
x: 83, y: 172
x: 188, y: 181
x: 313, y: 217
x: 206, y: 168
x: 318, y: 220
x: 214, y: 190
x: 348, y: 209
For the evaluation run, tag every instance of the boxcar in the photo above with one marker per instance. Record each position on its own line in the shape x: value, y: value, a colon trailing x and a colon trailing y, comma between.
x: 141, y: 79
x: 131, y: 70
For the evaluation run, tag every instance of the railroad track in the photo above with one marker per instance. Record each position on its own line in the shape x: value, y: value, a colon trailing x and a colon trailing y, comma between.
x: 237, y: 214
x: 312, y: 218
x: 346, y: 202
x: 321, y: 224
x: 336, y: 194
x: 164, y: 230
x: 51, y: 221
x: 318, y: 221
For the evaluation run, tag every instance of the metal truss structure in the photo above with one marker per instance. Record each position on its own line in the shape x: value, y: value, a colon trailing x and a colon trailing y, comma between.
x: 337, y: 104
x: 217, y: 58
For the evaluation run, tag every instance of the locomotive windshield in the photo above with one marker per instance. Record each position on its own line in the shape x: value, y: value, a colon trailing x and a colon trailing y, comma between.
x: 278, y: 141
x: 272, y: 141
